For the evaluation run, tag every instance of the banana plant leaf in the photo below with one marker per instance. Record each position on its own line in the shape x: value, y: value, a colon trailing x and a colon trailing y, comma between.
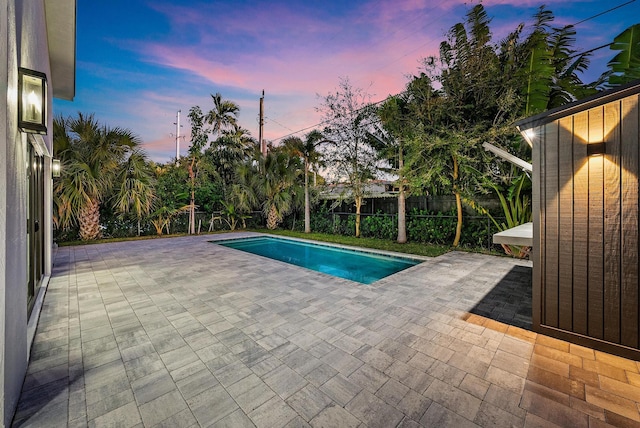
x: 625, y: 66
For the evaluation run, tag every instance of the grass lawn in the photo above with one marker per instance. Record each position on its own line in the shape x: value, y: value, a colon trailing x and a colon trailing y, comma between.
x: 416, y: 248
x: 420, y: 249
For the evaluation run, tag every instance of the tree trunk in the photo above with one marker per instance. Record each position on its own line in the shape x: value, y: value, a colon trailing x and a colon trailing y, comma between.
x: 402, y: 214
x: 272, y: 218
x: 192, y: 214
x: 89, y: 220
x: 307, y: 203
x: 358, y: 200
x: 192, y: 208
x: 456, y: 191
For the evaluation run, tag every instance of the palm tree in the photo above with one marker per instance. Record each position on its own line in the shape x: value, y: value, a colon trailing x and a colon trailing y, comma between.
x: 99, y: 164
x: 271, y: 184
x: 223, y: 115
x: 308, y: 151
x: 227, y: 151
x: 388, y: 141
x: 276, y: 185
x: 136, y: 186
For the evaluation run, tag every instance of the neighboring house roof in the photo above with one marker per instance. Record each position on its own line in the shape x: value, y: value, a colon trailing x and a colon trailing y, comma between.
x: 598, y: 99
x: 373, y: 189
x: 61, y: 36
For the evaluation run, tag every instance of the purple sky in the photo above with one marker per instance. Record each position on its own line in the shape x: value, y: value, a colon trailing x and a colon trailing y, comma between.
x: 139, y: 62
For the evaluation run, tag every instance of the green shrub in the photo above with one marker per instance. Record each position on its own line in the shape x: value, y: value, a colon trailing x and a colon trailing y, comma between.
x: 379, y: 226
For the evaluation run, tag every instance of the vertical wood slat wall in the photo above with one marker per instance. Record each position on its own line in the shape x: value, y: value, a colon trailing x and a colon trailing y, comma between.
x: 588, y: 224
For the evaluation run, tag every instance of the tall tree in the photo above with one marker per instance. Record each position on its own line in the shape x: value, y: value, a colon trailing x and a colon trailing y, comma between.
x: 223, y: 115
x: 349, y: 114
x: 199, y: 140
x: 452, y: 120
x: 388, y: 141
x: 227, y: 151
x: 137, y: 186
x: 99, y: 164
x: 308, y: 151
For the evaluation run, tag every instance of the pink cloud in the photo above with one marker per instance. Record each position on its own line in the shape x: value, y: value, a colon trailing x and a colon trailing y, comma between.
x: 295, y: 53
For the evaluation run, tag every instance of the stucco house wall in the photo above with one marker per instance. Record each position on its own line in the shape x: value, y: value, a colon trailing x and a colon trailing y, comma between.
x: 25, y: 32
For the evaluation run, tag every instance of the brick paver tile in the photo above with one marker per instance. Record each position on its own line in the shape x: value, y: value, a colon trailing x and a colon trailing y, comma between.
x: 369, y: 378
x: 392, y: 392
x: 474, y: 385
x: 373, y: 411
x: 152, y: 386
x: 534, y: 421
x: 551, y: 342
x: 308, y: 402
x: 511, y: 363
x: 342, y: 361
x: 614, y: 360
x: 284, y: 381
x: 453, y: 399
x: 490, y: 416
x: 127, y: 416
x: 439, y: 416
x: 340, y: 389
x: 162, y: 408
x: 617, y: 420
x: 335, y: 416
x: 211, y: 405
x: 612, y: 402
x: 604, y: 369
x: 273, y: 413
x: 237, y: 419
x: 413, y: 405
x: 516, y: 346
x: 587, y: 408
x: 555, y: 354
x: 505, y: 379
x: 556, y: 382
x: 552, y: 411
x: 504, y: 399
x: 622, y: 389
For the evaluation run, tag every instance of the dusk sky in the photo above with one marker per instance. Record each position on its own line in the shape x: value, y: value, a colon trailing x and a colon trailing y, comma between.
x: 139, y: 62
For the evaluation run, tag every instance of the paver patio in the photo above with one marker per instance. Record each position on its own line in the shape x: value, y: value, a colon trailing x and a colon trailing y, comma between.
x: 180, y: 332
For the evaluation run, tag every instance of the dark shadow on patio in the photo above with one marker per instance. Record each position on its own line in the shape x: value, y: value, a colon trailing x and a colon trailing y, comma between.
x: 509, y: 301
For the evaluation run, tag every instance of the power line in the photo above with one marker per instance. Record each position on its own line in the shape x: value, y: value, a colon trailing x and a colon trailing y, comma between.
x: 602, y: 13
x: 329, y: 120
x: 278, y: 123
x: 592, y: 17
x: 411, y: 51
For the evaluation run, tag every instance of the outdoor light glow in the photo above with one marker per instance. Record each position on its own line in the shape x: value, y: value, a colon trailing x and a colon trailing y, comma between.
x: 55, y: 167
x: 32, y: 92
x: 33, y: 102
x: 528, y: 134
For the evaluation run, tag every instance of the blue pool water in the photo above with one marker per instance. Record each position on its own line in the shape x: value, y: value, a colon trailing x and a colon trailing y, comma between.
x: 354, y: 265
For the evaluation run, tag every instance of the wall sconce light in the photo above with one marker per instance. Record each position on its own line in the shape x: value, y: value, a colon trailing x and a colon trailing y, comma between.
x: 596, y: 149
x: 32, y: 105
x: 528, y: 134
x: 55, y: 168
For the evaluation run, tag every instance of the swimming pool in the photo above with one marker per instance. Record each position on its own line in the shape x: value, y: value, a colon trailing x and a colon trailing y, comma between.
x: 363, y: 267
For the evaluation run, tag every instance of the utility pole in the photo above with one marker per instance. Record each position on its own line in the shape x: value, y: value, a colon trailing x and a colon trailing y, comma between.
x: 263, y: 146
x: 178, y: 126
